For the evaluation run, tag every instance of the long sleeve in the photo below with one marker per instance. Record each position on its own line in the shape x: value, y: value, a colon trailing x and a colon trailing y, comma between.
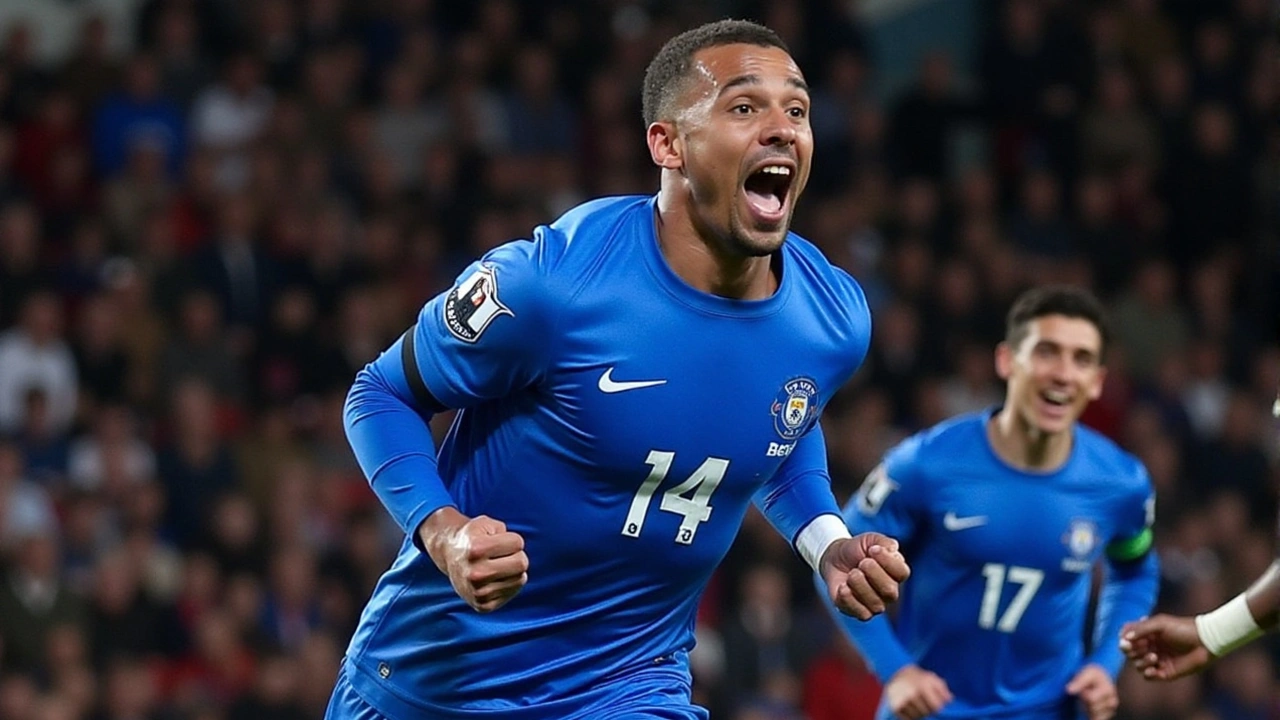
x: 885, y: 503
x: 1128, y: 593
x: 801, y: 489
x: 875, y: 641
x: 800, y: 492
x: 393, y: 443
x: 1132, y: 578
x: 441, y: 363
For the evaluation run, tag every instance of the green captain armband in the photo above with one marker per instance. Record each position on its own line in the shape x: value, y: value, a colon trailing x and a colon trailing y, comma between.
x: 1131, y: 549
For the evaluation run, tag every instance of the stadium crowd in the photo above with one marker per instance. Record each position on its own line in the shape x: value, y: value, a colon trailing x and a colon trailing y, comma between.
x: 203, y: 238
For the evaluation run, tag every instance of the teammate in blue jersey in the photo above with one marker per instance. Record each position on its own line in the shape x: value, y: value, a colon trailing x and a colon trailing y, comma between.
x: 630, y: 380
x: 1005, y: 514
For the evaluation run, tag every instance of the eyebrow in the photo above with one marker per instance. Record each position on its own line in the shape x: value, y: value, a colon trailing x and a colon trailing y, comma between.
x: 750, y: 79
x: 1056, y: 345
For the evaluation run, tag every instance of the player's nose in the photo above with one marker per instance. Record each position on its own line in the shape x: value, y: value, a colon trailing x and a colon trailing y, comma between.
x: 1061, y: 377
x: 1062, y: 370
x: 778, y: 128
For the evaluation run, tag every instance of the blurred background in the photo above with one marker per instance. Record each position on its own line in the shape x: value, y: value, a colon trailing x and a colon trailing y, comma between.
x: 213, y: 212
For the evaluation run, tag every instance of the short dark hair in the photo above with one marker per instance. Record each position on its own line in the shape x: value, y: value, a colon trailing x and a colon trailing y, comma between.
x: 1066, y: 300
x: 668, y: 72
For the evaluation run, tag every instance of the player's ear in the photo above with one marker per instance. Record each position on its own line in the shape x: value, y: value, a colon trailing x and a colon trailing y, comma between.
x: 1004, y: 360
x: 664, y: 145
x: 1094, y: 391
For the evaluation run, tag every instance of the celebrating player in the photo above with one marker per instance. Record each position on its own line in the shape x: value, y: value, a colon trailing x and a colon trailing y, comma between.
x: 1005, y: 514
x: 629, y: 380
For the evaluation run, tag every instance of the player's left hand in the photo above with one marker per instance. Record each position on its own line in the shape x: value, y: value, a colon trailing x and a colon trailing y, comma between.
x: 1096, y: 692
x: 863, y: 574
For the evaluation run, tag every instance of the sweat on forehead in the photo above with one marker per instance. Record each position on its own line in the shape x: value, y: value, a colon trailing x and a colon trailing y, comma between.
x: 670, y: 70
x: 718, y: 70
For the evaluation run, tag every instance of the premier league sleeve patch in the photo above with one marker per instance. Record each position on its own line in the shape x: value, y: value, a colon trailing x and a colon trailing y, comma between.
x: 473, y: 304
x: 795, y: 409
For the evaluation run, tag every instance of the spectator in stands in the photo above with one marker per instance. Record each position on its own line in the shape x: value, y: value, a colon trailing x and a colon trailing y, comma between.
x: 34, y: 356
x: 138, y: 113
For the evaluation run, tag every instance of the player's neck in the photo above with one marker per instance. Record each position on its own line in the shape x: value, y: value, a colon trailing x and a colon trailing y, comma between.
x: 702, y: 262
x: 1024, y: 446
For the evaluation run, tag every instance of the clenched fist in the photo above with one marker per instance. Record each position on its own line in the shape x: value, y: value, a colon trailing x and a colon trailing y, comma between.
x: 485, y: 562
x: 863, y: 573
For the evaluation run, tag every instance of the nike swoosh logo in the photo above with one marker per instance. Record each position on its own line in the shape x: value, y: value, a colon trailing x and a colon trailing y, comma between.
x: 608, y: 385
x: 953, y: 523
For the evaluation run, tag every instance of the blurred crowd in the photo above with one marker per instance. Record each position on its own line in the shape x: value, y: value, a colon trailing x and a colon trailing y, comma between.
x: 204, y: 237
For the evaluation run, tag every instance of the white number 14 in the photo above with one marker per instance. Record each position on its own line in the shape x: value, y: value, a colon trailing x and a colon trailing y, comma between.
x: 695, y: 509
x: 1028, y: 578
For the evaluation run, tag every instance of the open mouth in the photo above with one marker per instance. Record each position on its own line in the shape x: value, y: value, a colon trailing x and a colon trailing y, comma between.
x: 1057, y: 398
x: 767, y: 190
x: 1056, y: 402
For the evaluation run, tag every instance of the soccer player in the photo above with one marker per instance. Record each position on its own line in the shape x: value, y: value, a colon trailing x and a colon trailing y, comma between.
x: 1005, y: 514
x: 629, y: 381
x: 1167, y: 647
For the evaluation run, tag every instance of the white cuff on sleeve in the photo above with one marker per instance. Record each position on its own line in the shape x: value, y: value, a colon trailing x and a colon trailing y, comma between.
x: 818, y: 535
x: 1228, y: 627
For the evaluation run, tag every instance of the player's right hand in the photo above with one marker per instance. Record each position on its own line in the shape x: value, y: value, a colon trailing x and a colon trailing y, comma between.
x: 1164, y: 647
x: 485, y: 562
x: 914, y: 693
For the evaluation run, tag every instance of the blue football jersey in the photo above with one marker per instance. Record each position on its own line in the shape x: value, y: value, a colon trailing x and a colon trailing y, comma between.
x: 621, y: 422
x: 1002, y: 562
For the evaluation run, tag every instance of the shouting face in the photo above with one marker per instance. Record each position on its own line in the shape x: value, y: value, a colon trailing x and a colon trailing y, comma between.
x: 741, y: 142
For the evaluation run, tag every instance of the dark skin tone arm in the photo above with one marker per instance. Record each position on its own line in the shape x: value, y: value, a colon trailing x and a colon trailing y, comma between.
x: 1264, y: 597
x: 1167, y: 647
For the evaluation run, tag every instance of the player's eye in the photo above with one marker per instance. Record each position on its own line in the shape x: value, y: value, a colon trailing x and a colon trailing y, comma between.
x: 741, y: 109
x: 798, y: 112
x: 1086, y: 360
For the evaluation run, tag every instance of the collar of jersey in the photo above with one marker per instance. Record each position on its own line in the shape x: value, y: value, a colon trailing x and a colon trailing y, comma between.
x: 675, y: 286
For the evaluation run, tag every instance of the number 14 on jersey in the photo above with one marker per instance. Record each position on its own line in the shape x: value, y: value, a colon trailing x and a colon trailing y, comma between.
x: 695, y: 509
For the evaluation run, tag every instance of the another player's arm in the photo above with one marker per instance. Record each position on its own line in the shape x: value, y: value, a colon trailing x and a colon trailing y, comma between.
x: 1263, y: 598
x: 1166, y: 647
x: 890, y: 505
x: 861, y: 573
x: 427, y: 370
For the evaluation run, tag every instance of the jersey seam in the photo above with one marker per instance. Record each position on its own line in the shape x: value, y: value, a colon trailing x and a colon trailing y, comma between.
x: 440, y: 373
x: 583, y: 282
x: 392, y: 689
x: 377, y: 628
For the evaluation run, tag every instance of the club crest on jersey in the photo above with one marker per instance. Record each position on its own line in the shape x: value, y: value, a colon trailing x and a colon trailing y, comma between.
x: 1081, y: 538
x: 795, y: 408
x: 473, y: 304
